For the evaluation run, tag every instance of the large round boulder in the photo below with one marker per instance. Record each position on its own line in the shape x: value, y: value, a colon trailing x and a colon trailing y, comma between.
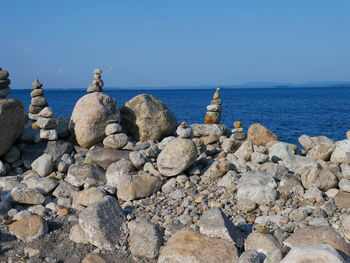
x: 90, y: 117
x: 144, y: 117
x: 177, y: 156
x: 12, y: 121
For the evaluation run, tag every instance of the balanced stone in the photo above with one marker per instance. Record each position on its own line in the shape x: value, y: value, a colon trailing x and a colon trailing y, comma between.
x: 238, y: 132
x: 38, y: 101
x: 4, y: 83
x: 213, y: 114
x: 97, y: 83
x: 36, y: 92
x: 36, y: 84
x: 184, y: 131
x: 3, y: 74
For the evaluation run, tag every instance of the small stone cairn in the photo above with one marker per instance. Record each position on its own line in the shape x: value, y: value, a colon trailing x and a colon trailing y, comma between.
x: 38, y: 102
x: 47, y: 125
x: 238, y: 132
x: 4, y: 83
x: 213, y: 114
x: 97, y: 83
x: 184, y: 131
x: 115, y: 139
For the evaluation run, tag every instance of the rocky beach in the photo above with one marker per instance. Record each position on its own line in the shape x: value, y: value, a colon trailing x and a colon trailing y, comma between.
x: 131, y: 183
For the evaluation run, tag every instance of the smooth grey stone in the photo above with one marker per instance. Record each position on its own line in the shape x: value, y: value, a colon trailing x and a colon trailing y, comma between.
x: 43, y: 165
x: 4, y: 74
x: 39, y: 101
x: 4, y: 92
x: 4, y: 83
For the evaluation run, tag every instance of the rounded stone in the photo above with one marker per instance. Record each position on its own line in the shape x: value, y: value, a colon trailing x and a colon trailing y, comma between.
x: 36, y: 93
x: 4, y: 74
x: 116, y: 141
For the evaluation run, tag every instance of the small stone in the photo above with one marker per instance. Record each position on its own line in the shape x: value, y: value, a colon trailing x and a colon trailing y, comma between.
x: 116, y: 141
x: 35, y: 93
x: 43, y: 165
x: 46, y: 113
x: 39, y: 101
x: 237, y: 124
x: 137, y: 159
x: 36, y: 84
x: 263, y: 243
x: 259, y: 135
x: 344, y: 185
x: 77, y: 235
x: 29, y: 228
x: 49, y: 135
x: 342, y: 200
x: 113, y: 128
x: 26, y: 196
x: 46, y: 123
x: 89, y: 196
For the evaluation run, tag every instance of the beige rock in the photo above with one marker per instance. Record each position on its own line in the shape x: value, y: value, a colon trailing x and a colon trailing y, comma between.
x: 93, y: 258
x: 318, y: 234
x: 177, y: 156
x: 262, y: 243
x: 259, y: 135
x: 321, y: 179
x: 342, y: 199
x: 188, y: 246
x: 12, y: 121
x: 90, y: 117
x: 89, y: 196
x: 29, y: 228
x: 346, y: 226
x: 341, y: 154
x: 322, y: 151
x: 245, y: 151
x: 212, y: 138
x: 77, y: 235
x: 146, y: 118
x: 104, y: 156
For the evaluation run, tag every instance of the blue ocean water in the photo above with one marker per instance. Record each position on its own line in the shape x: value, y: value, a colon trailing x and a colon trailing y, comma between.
x: 288, y: 112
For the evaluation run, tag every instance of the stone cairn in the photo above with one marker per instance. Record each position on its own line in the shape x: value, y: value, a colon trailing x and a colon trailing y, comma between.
x: 115, y: 139
x: 184, y: 131
x: 238, y: 132
x: 4, y: 83
x: 97, y: 83
x: 38, y: 102
x: 213, y: 114
x: 47, y: 125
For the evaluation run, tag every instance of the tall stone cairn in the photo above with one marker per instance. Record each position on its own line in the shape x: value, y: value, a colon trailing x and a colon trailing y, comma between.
x: 38, y: 102
x: 4, y: 83
x: 213, y: 114
x: 97, y: 83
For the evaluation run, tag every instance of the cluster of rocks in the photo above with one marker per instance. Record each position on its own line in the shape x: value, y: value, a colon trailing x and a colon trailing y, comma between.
x: 38, y: 101
x: 4, y: 83
x: 97, y: 83
x: 205, y: 195
x: 213, y: 114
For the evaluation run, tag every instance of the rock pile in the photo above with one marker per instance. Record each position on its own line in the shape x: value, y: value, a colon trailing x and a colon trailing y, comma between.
x: 97, y: 83
x: 238, y: 132
x: 47, y: 125
x: 115, y: 139
x: 4, y: 83
x: 184, y: 131
x: 213, y: 114
x: 38, y: 102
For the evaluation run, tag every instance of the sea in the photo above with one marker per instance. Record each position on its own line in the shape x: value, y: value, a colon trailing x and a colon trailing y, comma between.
x: 288, y: 112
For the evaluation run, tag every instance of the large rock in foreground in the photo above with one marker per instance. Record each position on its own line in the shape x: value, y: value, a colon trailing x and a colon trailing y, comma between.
x: 177, y: 156
x: 29, y: 228
x: 90, y: 117
x: 189, y: 246
x: 12, y: 120
x: 144, y: 117
x: 259, y: 135
x: 101, y: 223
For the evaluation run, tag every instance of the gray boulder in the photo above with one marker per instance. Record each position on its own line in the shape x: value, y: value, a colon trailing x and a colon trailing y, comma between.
x: 78, y: 174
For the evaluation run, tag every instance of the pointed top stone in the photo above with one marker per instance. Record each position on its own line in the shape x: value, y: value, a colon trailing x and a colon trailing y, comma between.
x: 36, y: 84
x: 217, y: 94
x: 98, y: 71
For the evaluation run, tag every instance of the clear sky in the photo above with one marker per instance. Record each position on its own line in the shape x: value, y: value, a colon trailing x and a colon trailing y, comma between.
x: 174, y: 42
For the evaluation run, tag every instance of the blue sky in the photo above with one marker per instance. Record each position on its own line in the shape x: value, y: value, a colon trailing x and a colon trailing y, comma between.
x: 172, y: 43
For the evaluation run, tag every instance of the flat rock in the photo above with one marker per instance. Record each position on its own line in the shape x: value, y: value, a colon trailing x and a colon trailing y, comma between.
x: 342, y: 199
x: 90, y: 117
x: 26, y: 196
x: 105, y: 157
x: 341, y: 154
x: 177, y: 156
x: 78, y: 174
x: 200, y: 130
x: 116, y: 141
x: 188, y: 246
x: 43, y: 185
x: 89, y: 196
x: 144, y: 117
x: 318, y: 234
x: 317, y: 253
x: 214, y: 223
x: 101, y: 223
x: 12, y: 121
x: 29, y: 228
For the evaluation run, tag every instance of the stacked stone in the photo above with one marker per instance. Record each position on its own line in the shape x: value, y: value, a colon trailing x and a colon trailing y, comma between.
x: 47, y: 125
x: 115, y: 139
x: 238, y: 132
x: 213, y: 115
x: 97, y: 83
x: 184, y: 131
x: 4, y: 83
x: 38, y: 102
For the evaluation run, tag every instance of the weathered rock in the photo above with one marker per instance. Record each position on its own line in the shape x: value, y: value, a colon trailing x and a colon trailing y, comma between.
x: 78, y: 174
x: 90, y: 117
x: 39, y: 101
x: 310, y: 142
x: 105, y: 157
x: 341, y: 154
x: 77, y: 235
x: 216, y: 170
x: 184, y: 131
x: 144, y: 117
x: 321, y: 179
x: 101, y: 223
x: 137, y: 159
x: 230, y: 145
x: 290, y: 184
x: 43, y: 185
x: 322, y: 151
x: 214, y: 223
x: 58, y: 148
x: 12, y: 155
x: 93, y: 258
x: 318, y: 234
x: 12, y: 121
x: 200, y: 130
x: 65, y: 190
x: 245, y: 151
x: 26, y: 196
x: 145, y: 240
x: 116, y: 141
x: 249, y: 256
x: 344, y: 185
x: 29, y: 228
x: 265, y: 244
x: 36, y: 92
x: 342, y: 199
x: 177, y: 156
x: 259, y: 135
x: 188, y: 246
x: 48, y: 135
x: 317, y: 253
x: 113, y: 128
x: 43, y: 165
x: 89, y: 196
